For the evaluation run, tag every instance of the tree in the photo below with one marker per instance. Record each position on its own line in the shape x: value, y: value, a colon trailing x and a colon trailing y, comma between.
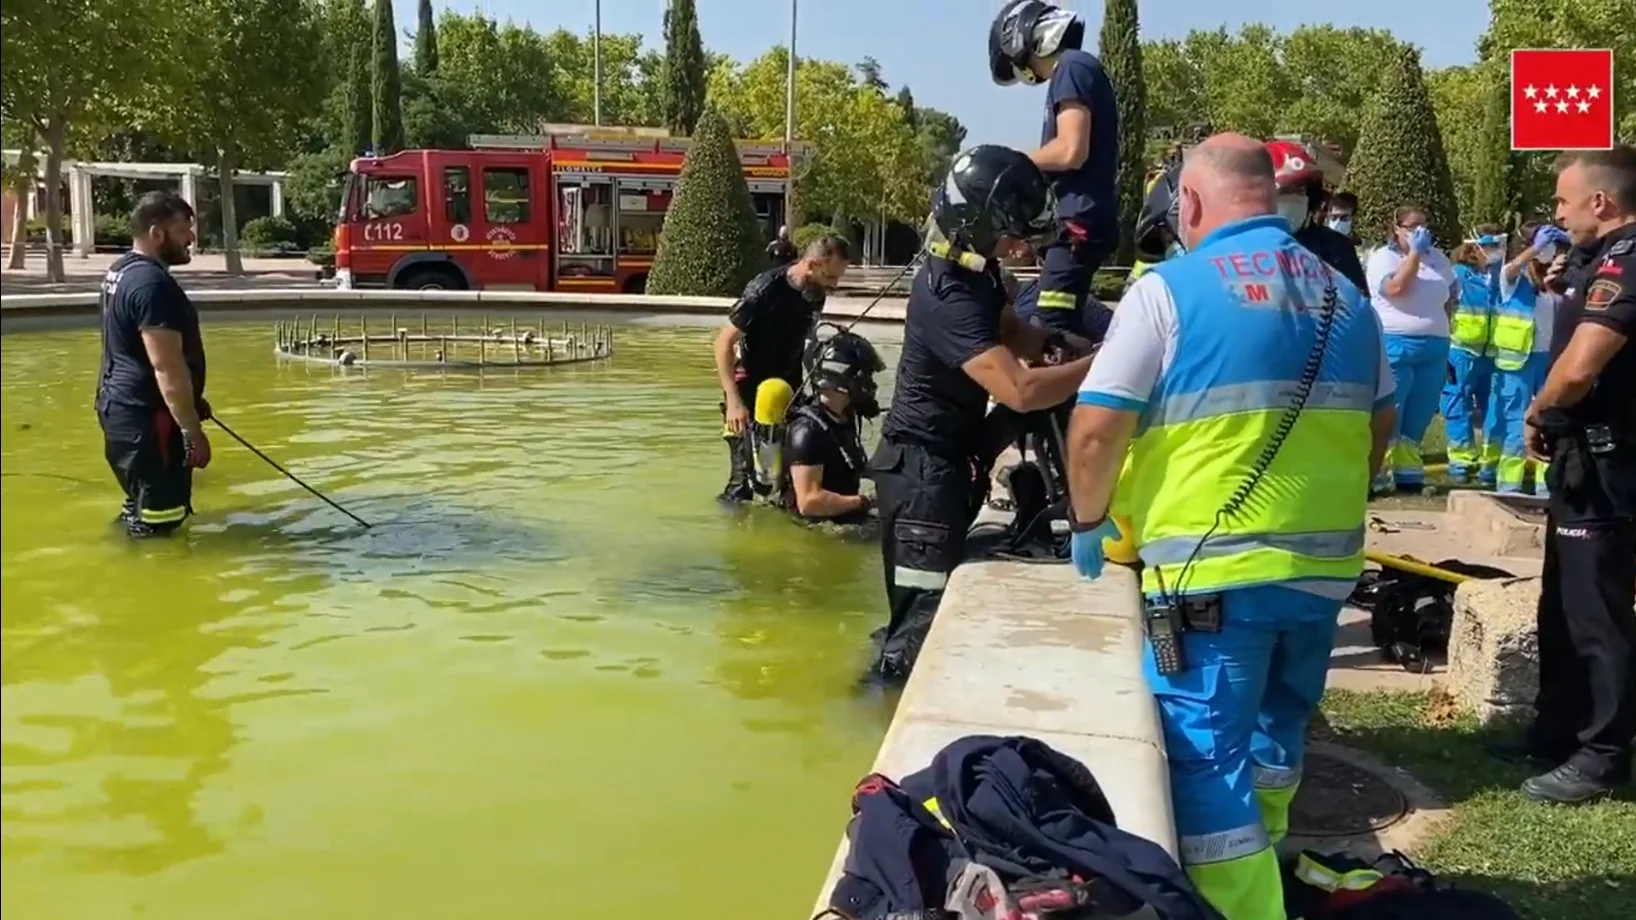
x: 711, y: 245
x: 249, y: 82
x: 684, y: 76
x: 869, y: 74
x: 1400, y: 159
x: 1121, y: 49
x: 906, y: 102
x: 1493, y: 197
x: 71, y: 66
x: 18, y: 178
x: 425, y: 39
x: 1457, y: 95
x: 386, y: 86
x: 358, y: 108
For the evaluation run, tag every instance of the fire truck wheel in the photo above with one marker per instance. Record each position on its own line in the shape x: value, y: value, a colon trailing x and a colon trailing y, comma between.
x: 430, y: 279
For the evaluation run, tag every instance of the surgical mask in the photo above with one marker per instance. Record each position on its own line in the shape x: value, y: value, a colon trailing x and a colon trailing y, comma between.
x: 1175, y: 250
x: 1341, y: 225
x: 1494, y: 253
x: 1293, y: 209
x: 1546, y: 256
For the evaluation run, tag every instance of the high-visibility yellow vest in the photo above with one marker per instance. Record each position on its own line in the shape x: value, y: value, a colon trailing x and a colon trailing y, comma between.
x: 1247, y: 303
x: 1472, y: 325
x: 1513, y: 338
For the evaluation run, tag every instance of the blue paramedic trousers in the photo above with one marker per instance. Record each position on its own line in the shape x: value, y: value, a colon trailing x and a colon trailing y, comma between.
x: 1419, y: 368
x: 1465, y: 409
x: 1235, y: 727
x: 1514, y: 392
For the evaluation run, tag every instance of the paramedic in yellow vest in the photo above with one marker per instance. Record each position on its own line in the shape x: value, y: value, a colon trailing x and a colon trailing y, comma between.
x: 1247, y: 488
x: 1522, y: 351
x: 1471, y: 359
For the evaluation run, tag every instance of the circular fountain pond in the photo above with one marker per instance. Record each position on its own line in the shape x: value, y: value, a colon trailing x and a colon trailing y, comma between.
x: 554, y: 679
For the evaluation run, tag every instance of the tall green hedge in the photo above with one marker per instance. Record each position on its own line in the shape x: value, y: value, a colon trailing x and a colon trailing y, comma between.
x: 711, y: 245
x: 1400, y: 158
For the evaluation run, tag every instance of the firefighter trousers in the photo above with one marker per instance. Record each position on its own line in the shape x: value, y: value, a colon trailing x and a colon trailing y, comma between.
x: 927, y: 503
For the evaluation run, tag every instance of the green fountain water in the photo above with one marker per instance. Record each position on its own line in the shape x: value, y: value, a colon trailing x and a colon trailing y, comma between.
x: 554, y: 680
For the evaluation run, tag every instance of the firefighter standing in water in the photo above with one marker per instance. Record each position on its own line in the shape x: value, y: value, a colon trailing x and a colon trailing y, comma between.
x: 1034, y: 42
x: 1243, y: 584
x: 150, y: 394
x: 764, y: 339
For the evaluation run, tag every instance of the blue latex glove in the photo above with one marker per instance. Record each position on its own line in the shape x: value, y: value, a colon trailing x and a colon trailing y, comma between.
x: 1548, y: 236
x: 1087, y: 549
x: 1420, y: 240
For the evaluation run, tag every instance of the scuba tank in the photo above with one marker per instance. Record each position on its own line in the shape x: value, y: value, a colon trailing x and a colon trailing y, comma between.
x: 773, y: 398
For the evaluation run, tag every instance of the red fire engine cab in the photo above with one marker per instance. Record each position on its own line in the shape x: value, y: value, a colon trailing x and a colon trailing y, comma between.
x: 574, y: 209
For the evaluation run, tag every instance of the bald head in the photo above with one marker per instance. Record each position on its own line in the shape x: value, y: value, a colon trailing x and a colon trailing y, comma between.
x: 1226, y: 178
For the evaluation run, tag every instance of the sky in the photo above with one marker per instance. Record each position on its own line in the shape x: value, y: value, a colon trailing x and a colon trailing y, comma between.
x: 939, y: 47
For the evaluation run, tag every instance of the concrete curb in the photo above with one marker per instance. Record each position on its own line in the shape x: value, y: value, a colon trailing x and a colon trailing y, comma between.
x: 1033, y: 649
x: 85, y: 302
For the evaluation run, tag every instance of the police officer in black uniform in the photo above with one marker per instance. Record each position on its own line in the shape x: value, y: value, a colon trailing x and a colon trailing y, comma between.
x: 962, y: 343
x: 1584, y: 421
x: 150, y: 392
x: 1034, y: 42
x: 823, y: 452
x: 765, y: 337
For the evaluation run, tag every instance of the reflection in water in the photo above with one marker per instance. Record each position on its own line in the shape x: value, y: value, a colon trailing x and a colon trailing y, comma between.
x: 551, y: 660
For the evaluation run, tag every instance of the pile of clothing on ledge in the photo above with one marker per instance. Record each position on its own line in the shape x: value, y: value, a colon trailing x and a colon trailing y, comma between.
x: 1012, y: 829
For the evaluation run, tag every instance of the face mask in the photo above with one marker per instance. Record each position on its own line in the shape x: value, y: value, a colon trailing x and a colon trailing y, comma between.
x: 1175, y: 250
x: 1293, y: 210
x: 1494, y: 254
x: 1341, y: 225
x: 1545, y: 256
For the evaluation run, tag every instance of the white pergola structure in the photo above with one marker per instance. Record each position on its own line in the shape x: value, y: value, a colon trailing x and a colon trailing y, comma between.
x: 77, y: 174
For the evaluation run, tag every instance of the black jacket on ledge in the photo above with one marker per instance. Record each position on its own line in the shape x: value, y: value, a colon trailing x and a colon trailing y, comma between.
x: 1021, y: 808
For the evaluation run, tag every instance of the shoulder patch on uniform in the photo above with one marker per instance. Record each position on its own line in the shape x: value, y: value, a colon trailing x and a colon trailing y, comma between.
x: 1622, y: 247
x: 1602, y: 293
x: 1610, y: 269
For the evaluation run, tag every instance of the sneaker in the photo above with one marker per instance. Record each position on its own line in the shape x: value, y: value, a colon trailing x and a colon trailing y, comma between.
x: 1566, y: 785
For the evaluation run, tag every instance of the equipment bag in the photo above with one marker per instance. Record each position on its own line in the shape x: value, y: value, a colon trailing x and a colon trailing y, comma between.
x: 1410, y: 615
x: 1321, y: 886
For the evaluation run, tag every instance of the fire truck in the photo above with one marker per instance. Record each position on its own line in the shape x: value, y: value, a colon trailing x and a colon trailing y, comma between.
x: 573, y: 209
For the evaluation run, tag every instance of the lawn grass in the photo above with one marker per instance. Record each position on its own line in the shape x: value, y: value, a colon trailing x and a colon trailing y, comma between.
x: 1551, y: 863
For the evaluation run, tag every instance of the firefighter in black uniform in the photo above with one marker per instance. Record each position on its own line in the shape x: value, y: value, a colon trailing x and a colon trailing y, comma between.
x: 823, y: 451
x: 962, y: 343
x: 1033, y: 42
x: 150, y: 393
x: 1584, y: 421
x: 764, y: 339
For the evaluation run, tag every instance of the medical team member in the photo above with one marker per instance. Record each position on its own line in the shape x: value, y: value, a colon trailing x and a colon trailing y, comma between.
x: 1471, y: 362
x: 1523, y: 324
x: 1200, y: 361
x: 1034, y: 42
x: 1410, y: 286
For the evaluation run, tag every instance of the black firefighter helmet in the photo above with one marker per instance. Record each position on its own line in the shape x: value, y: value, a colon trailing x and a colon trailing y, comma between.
x: 1156, y: 226
x: 1025, y: 28
x: 848, y: 363
x: 990, y: 192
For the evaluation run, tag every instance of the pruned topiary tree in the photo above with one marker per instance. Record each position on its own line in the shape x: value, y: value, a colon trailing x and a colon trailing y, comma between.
x: 1493, y: 182
x: 711, y: 245
x: 1400, y: 158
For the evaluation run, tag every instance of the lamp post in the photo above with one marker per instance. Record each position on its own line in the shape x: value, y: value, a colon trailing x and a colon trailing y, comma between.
x: 596, y: 79
x: 789, y: 119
